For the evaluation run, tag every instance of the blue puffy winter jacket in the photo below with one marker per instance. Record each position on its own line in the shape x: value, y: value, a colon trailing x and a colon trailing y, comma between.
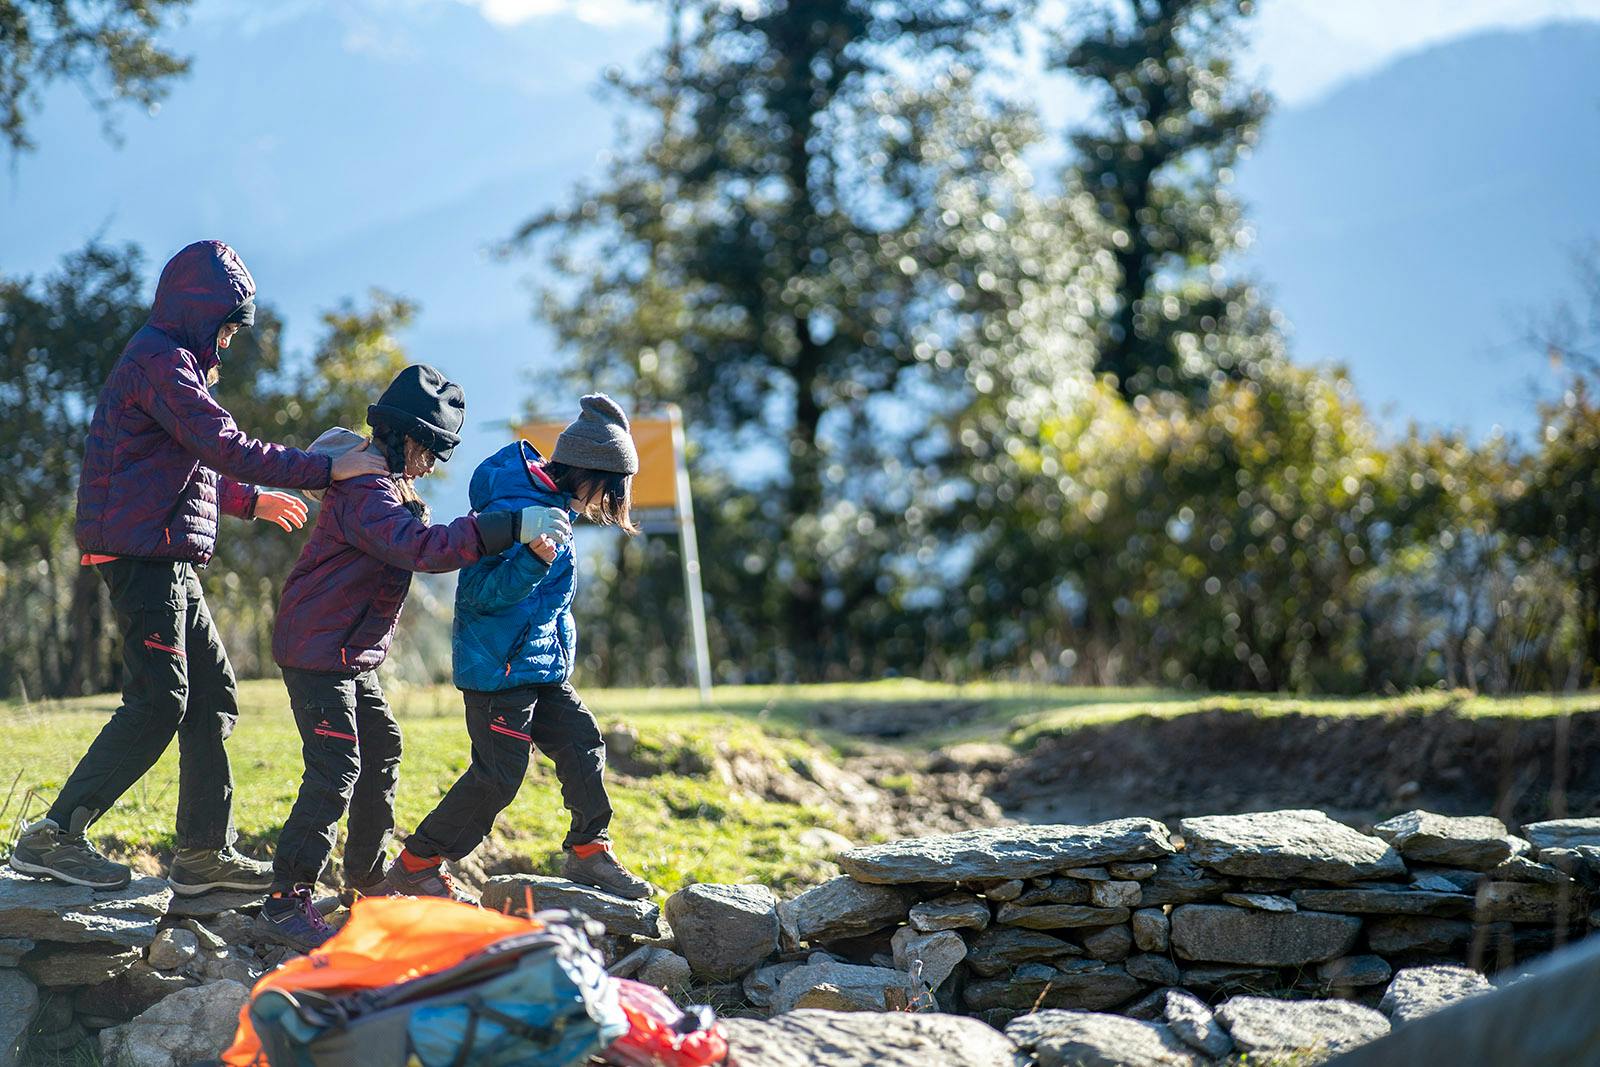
x: 513, y: 623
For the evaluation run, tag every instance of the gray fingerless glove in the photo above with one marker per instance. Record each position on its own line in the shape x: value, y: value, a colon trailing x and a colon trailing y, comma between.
x: 540, y: 521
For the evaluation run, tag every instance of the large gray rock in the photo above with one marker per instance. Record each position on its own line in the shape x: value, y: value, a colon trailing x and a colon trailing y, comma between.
x: 510, y: 893
x: 1001, y: 948
x: 1562, y: 833
x: 1195, y: 1025
x: 65, y: 966
x: 1060, y: 1038
x: 724, y: 931
x: 1529, y: 902
x: 1180, y: 880
x: 1005, y: 852
x: 1314, y: 1030
x: 666, y: 969
x: 1400, y: 934
x: 838, y: 1039
x: 19, y: 1001
x: 1301, y: 843
x: 928, y: 957
x: 953, y: 911
x: 192, y: 1024
x: 1058, y: 916
x: 852, y: 987
x: 52, y: 911
x: 1476, y: 842
x: 1084, y: 985
x: 838, y: 908
x: 1395, y: 900
x: 1111, y: 944
x: 1417, y: 992
x: 1221, y: 934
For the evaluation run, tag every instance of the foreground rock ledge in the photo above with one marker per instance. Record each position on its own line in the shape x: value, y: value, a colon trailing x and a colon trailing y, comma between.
x: 810, y: 1038
x: 1005, y: 852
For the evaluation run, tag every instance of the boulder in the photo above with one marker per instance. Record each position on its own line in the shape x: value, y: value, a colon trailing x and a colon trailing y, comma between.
x: 953, y: 911
x: 1194, y: 1024
x: 898, y: 1039
x: 1417, y: 992
x: 1476, y: 842
x: 1562, y: 833
x: 1386, y: 900
x: 861, y: 988
x: 1260, y: 901
x: 928, y: 957
x: 1180, y: 880
x: 1001, y: 948
x: 1400, y: 934
x: 53, y: 911
x: 664, y: 968
x: 1058, y: 916
x: 192, y: 1024
x: 64, y: 966
x: 724, y: 930
x: 1006, y: 852
x: 1218, y: 933
x: 1058, y: 1038
x: 510, y: 893
x: 839, y: 908
x: 19, y: 1002
x: 1351, y: 972
x: 1151, y: 929
x: 1314, y: 1030
x: 1114, y: 894
x: 172, y: 948
x: 1084, y: 985
x: 1111, y: 944
x: 1301, y: 843
x: 1153, y: 968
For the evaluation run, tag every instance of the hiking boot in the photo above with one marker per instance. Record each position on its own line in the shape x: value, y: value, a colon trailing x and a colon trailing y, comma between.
x: 431, y: 881
x: 201, y: 870
x: 294, y: 920
x: 601, y: 870
x: 45, y: 850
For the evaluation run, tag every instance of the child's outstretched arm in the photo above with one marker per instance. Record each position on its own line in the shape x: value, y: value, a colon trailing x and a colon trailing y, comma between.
x: 497, y: 582
x: 378, y: 523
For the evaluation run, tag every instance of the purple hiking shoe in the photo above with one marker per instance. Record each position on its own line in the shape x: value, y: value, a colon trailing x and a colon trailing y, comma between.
x: 295, y: 921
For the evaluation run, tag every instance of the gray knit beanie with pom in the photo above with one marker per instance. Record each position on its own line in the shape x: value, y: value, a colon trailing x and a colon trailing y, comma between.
x: 598, y: 439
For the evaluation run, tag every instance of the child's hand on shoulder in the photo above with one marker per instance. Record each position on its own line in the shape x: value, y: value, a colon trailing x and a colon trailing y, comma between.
x: 544, y: 547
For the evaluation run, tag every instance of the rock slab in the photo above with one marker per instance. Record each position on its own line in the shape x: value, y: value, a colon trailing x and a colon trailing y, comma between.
x: 1194, y: 1024
x: 1058, y: 1038
x: 896, y: 1039
x: 192, y: 1024
x: 1005, y: 852
x: 1562, y: 833
x: 1418, y: 992
x: 1218, y: 933
x: 1476, y: 842
x: 1314, y: 1030
x: 632, y: 918
x: 53, y: 911
x: 1300, y: 843
x: 849, y: 986
x: 839, y: 908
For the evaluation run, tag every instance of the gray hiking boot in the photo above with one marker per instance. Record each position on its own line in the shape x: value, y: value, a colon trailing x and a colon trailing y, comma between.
x: 201, y: 870
x: 45, y: 850
x: 431, y: 881
x: 601, y: 870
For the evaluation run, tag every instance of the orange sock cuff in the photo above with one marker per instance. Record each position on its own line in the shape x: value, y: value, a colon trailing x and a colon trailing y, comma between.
x: 414, y: 863
x: 583, y: 852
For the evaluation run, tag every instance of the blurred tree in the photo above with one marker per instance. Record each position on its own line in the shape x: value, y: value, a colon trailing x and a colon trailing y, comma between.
x: 1174, y: 119
x: 772, y: 253
x: 107, y: 46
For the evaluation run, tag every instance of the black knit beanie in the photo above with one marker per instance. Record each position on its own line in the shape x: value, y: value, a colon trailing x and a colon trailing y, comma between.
x: 423, y: 404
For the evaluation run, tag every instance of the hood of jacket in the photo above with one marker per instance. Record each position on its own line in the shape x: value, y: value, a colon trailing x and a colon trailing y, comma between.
x: 199, y: 288
x: 506, y: 481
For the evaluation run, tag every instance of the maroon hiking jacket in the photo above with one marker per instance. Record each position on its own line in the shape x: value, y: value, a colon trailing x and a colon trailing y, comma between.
x: 149, y: 487
x: 342, y: 600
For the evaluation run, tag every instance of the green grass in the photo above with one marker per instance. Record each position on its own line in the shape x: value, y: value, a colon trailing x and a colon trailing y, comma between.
x: 685, y: 824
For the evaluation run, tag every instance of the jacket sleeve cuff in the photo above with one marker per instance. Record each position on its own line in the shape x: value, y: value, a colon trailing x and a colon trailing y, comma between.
x: 497, y: 531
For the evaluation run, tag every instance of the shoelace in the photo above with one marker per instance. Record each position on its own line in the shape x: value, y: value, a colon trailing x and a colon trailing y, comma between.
x: 449, y: 883
x: 308, y: 911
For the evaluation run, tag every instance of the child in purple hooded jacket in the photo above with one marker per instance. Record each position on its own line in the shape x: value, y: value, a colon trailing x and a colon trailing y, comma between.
x: 336, y: 619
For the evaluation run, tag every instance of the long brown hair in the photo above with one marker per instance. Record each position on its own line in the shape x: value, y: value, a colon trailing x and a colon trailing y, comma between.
x: 610, y: 494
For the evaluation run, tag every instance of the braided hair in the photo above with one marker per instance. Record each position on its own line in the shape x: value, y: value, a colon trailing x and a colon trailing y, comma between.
x: 392, y: 442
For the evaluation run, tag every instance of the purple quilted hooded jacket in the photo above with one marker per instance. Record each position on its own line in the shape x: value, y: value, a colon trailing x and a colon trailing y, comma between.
x: 150, y: 485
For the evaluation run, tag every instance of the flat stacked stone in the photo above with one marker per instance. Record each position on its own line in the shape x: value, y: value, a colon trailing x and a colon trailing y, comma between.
x: 1218, y: 933
x: 1005, y: 852
x: 1476, y: 842
x: 1298, y: 844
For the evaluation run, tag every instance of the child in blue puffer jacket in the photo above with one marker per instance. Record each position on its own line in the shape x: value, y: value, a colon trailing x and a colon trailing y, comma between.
x: 514, y: 645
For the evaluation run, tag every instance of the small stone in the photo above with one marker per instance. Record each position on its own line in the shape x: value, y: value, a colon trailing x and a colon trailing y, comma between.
x: 1448, y: 881
x: 1114, y: 894
x: 863, y: 988
x: 192, y: 1024
x: 204, y: 937
x: 666, y: 969
x: 1135, y: 872
x: 60, y: 966
x: 1111, y: 944
x: 724, y: 930
x: 510, y: 894
x: 1315, y: 1030
x: 1153, y: 968
x: 209, y: 905
x: 1350, y: 972
x: 928, y: 957
x: 1391, y: 900
x: 1059, y: 916
x: 761, y: 984
x: 12, y: 949
x: 1006, y: 852
x: 1476, y: 842
x: 1151, y: 929
x: 135, y: 990
x: 1001, y: 948
x: 1180, y: 880
x: 1260, y: 901
x: 232, y: 965
x: 60, y: 1040
x: 840, y: 908
x: 1055, y: 891
x: 1417, y: 992
x: 172, y: 948
x: 1288, y: 844
x: 1222, y: 934
x: 1522, y: 869
x: 233, y: 928
x: 1088, y: 874
x: 1228, y: 978
x: 953, y: 911
x: 1401, y: 934
x: 1001, y: 892
x: 1057, y: 1038
x: 1195, y: 1025
x: 1084, y: 985
x: 1562, y: 833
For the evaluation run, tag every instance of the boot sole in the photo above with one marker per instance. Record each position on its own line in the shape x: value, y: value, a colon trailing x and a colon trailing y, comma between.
x: 194, y: 889
x: 38, y: 871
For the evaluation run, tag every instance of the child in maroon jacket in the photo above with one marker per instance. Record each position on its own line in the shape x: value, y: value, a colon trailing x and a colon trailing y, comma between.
x: 337, y: 617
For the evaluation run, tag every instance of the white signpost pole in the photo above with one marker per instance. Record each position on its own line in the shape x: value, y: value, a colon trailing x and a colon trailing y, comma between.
x: 689, y: 551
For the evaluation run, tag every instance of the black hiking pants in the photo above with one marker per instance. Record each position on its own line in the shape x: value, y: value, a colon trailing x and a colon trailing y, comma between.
x: 503, y: 726
x: 176, y: 680
x: 351, y: 747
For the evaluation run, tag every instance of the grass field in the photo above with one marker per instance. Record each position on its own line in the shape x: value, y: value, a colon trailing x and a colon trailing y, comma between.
x: 687, y: 823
